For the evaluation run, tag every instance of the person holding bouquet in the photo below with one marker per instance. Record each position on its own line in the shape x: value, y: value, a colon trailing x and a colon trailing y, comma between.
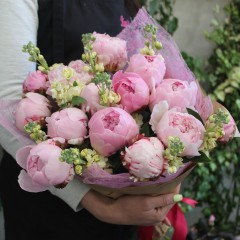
x: 77, y: 212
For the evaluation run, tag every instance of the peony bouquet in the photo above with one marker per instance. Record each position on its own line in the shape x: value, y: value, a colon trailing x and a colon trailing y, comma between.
x: 127, y: 118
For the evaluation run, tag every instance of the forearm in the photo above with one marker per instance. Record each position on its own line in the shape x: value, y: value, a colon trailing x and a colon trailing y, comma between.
x: 19, y: 24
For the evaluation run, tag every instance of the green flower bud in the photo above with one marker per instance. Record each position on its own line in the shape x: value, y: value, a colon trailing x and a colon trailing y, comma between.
x: 31, y: 59
x: 40, y: 57
x: 84, y: 57
x: 86, y: 68
x: 78, y: 169
x: 94, y: 55
x: 158, y: 45
x: 99, y: 67
x: 42, y: 69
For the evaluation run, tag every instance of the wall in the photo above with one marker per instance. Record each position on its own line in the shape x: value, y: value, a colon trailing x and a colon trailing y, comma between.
x: 195, y: 18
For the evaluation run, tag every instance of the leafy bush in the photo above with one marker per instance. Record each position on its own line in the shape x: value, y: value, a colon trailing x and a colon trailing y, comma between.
x: 162, y: 11
x: 217, y: 186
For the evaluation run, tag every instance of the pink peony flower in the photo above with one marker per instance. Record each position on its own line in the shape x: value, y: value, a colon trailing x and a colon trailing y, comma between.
x: 43, y: 168
x: 35, y: 82
x: 133, y: 90
x: 151, y: 68
x: 111, y: 129
x: 83, y: 76
x: 69, y: 123
x: 34, y: 107
x: 91, y: 94
x: 183, y: 125
x: 229, y: 130
x: 144, y: 159
x: 111, y: 51
x: 177, y: 93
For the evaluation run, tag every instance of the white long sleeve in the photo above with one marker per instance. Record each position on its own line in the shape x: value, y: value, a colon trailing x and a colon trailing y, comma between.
x: 18, y: 26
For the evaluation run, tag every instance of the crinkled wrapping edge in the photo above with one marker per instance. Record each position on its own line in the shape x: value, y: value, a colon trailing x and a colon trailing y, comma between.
x: 161, y: 186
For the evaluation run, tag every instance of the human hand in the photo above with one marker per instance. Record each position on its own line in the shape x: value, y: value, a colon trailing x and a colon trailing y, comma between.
x: 131, y: 210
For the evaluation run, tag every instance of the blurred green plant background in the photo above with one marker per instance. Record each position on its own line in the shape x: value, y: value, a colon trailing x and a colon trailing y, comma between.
x: 215, y: 185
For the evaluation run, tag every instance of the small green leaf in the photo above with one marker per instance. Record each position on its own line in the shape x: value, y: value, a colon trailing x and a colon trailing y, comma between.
x: 63, y: 105
x: 76, y: 100
x: 238, y: 103
x: 195, y: 114
x: 213, y: 166
x: 145, y: 129
x: 203, y: 158
x: 75, y: 84
x: 220, y: 95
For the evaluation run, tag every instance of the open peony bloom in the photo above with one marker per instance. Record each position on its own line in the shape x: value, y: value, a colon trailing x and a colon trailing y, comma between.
x: 69, y: 123
x: 144, y: 158
x: 151, y: 68
x: 81, y: 75
x: 35, y: 82
x: 34, y: 107
x: 229, y: 130
x: 42, y: 168
x: 183, y: 125
x: 176, y: 92
x: 111, y: 51
x: 133, y: 90
x: 91, y: 94
x: 111, y: 129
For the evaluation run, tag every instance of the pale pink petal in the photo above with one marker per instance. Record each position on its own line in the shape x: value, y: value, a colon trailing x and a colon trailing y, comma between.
x: 22, y: 155
x: 26, y: 183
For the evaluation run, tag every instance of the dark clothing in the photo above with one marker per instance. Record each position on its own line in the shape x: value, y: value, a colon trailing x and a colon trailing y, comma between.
x: 42, y: 216
x: 60, y: 30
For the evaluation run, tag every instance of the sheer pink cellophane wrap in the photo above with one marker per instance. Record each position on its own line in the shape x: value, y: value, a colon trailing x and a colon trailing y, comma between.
x: 176, y: 68
x: 134, y: 35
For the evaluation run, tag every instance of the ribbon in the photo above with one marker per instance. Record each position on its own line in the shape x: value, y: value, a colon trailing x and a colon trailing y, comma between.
x: 177, y: 219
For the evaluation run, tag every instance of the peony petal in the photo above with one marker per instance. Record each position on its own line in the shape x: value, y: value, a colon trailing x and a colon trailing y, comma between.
x: 57, y: 172
x: 26, y: 183
x: 157, y: 113
x: 37, y: 98
x: 22, y: 155
x: 40, y: 178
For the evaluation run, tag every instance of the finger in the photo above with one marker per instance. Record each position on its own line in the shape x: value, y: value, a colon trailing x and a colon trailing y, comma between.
x: 177, y: 190
x: 167, y: 222
x: 165, y: 199
x: 162, y: 212
x: 167, y: 208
